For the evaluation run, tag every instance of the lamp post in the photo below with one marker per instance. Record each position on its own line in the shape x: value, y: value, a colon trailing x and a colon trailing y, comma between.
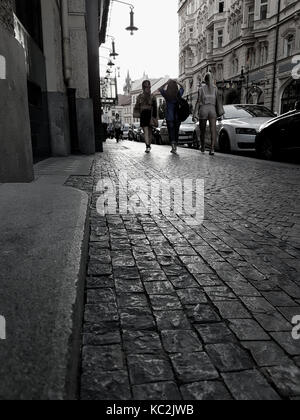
x: 132, y: 28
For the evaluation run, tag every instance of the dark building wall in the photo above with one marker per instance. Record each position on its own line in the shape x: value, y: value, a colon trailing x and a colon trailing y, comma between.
x: 6, y: 15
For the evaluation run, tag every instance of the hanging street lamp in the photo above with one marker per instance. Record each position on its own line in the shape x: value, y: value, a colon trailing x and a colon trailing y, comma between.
x: 132, y: 28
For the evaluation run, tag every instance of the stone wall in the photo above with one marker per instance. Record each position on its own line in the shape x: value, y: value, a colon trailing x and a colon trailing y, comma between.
x: 6, y: 15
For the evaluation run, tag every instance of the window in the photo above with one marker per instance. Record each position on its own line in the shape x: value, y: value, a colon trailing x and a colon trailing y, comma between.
x: 220, y: 38
x: 221, y: 6
x: 289, y: 45
x: 251, y: 17
x: 264, y: 9
x: 264, y: 53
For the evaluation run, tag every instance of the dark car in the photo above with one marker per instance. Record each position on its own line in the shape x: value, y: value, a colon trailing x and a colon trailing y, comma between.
x: 279, y: 135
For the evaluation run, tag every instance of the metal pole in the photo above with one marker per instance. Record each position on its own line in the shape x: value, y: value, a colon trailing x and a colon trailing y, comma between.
x: 276, y: 56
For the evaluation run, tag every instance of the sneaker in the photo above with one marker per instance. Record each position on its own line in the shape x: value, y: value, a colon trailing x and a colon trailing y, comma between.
x: 148, y: 149
x: 202, y: 149
x: 212, y: 153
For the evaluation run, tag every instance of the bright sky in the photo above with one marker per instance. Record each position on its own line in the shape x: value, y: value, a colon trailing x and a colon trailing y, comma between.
x: 153, y: 48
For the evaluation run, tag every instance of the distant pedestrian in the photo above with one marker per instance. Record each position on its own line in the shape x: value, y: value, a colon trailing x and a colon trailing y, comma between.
x: 118, y: 128
x: 209, y: 107
x: 171, y: 95
x: 146, y: 109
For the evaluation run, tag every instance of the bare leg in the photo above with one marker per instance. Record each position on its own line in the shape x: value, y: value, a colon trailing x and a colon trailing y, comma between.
x: 213, y: 129
x: 203, y: 124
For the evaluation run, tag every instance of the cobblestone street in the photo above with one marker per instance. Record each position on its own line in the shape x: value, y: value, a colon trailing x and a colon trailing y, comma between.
x: 181, y: 312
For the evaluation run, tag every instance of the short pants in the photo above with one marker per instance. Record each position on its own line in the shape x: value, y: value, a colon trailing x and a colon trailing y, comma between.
x: 207, y: 112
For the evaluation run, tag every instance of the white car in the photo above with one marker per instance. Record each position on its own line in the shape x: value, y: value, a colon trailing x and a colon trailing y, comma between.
x: 238, y: 128
x: 187, y: 133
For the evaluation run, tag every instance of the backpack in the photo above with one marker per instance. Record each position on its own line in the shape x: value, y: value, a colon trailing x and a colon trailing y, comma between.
x: 182, y: 109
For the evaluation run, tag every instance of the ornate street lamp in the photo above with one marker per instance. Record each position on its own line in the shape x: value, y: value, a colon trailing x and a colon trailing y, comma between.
x: 132, y: 28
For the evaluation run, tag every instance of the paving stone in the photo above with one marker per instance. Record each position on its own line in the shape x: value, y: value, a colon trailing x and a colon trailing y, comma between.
x: 199, y: 268
x: 205, y: 391
x: 181, y: 341
x: 101, y: 312
x: 175, y: 270
x: 286, y: 341
x: 243, y: 289
x: 273, y: 322
x: 205, y: 280
x: 247, y: 330
x: 105, y: 282
x: 126, y: 273
x: 123, y: 261
x: 290, y: 312
x: 144, y: 369
x: 101, y: 255
x: 105, y: 386
x: 191, y: 296
x: 106, y: 358
x: 129, y: 286
x: 142, y: 342
x: 228, y: 357
x: 132, y: 300
x: 185, y: 251
x: 279, y: 298
x: 219, y: 294
x: 97, y: 339
x: 159, y: 288
x: 172, y: 320
x: 250, y: 386
x: 266, y: 353
x: 137, y: 319
x: 258, y: 305
x: 161, y: 391
x: 286, y: 379
x: 201, y: 313
x: 153, y: 276
x: 185, y: 281
x: 98, y: 269
x: 215, y: 333
x: 165, y: 302
x: 232, y: 310
x: 101, y: 296
x: 193, y: 367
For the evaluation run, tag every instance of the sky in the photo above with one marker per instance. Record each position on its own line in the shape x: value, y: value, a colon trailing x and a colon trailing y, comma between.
x: 153, y: 49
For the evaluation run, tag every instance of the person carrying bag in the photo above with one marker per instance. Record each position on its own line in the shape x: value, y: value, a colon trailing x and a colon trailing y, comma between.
x: 146, y: 110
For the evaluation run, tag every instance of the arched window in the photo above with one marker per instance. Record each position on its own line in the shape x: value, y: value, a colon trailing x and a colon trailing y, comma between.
x: 2, y: 67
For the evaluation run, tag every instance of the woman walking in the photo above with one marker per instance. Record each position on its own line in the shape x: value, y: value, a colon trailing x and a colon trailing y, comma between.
x: 146, y: 109
x: 171, y: 95
x: 210, y: 108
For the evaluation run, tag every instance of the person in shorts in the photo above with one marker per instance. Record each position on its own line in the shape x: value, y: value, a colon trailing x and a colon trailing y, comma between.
x: 207, y: 106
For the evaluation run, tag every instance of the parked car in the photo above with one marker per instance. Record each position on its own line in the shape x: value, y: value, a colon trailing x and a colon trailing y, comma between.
x: 125, y: 130
x: 134, y: 131
x: 238, y: 128
x: 156, y: 132
x: 187, y: 133
x: 278, y: 135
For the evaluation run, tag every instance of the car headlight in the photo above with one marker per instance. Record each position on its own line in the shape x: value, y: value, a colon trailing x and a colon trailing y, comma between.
x: 247, y: 131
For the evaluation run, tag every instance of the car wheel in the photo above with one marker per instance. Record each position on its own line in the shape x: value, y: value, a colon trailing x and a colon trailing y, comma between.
x: 265, y: 149
x: 224, y: 143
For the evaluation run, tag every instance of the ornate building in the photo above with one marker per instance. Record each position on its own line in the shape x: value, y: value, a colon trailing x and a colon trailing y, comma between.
x: 250, y: 46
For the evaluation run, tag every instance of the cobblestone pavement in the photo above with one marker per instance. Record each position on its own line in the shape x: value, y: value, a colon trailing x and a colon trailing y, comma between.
x: 180, y: 312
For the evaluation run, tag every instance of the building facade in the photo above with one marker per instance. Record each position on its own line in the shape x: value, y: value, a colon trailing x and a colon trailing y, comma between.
x: 252, y: 48
x: 56, y: 44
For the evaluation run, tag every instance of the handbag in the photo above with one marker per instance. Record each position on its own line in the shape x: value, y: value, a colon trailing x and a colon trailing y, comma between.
x: 219, y: 106
x: 154, y: 122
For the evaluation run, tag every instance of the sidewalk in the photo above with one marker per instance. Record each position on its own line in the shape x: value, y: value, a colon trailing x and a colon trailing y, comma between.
x: 175, y: 311
x: 43, y: 240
